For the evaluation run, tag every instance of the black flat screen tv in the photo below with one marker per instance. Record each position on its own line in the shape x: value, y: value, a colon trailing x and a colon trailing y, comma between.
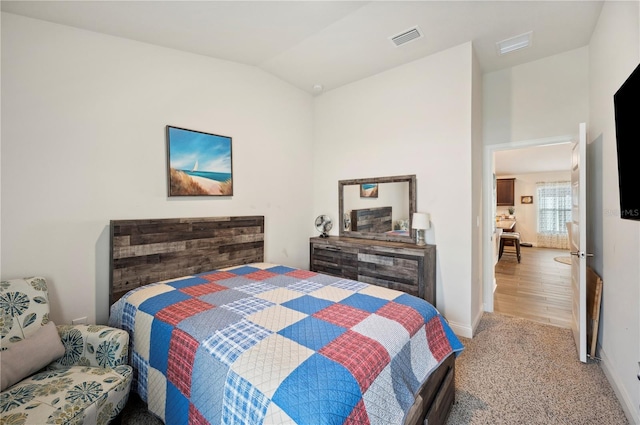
x: 626, y: 103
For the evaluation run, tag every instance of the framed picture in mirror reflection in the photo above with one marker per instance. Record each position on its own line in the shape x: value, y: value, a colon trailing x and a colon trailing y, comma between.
x: 369, y: 190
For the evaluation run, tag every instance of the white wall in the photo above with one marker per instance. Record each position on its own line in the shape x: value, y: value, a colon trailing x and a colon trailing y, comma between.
x: 614, y: 53
x: 477, y: 307
x: 539, y: 99
x: 414, y: 119
x: 526, y: 214
x: 83, y: 142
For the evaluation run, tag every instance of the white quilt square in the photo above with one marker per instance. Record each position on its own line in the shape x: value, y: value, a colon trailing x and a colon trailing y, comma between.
x: 281, y: 354
x: 156, y: 391
x: 142, y: 334
x: 276, y: 317
x: 275, y: 415
x: 279, y: 295
x: 381, y: 292
x: 332, y: 293
x: 391, y: 334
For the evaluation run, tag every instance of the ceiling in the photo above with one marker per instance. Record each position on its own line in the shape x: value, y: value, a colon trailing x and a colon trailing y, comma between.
x: 537, y: 159
x: 330, y: 43
x: 334, y: 43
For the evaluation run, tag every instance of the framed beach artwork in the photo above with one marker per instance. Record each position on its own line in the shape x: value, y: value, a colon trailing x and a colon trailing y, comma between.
x: 369, y: 190
x: 199, y: 164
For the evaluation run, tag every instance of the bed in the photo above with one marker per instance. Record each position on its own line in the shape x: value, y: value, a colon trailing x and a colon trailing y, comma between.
x: 220, y: 336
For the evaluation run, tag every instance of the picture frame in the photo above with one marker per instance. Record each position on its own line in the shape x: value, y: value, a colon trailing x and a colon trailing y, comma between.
x: 198, y: 163
x: 528, y: 199
x: 369, y: 190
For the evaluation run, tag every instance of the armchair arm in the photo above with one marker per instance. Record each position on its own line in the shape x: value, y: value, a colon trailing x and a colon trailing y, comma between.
x: 92, y: 345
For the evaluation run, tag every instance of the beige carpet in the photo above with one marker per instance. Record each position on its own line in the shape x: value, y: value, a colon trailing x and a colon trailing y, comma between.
x: 515, y: 371
x: 563, y: 260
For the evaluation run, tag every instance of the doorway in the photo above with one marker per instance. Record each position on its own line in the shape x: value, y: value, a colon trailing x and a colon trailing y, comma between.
x: 489, y: 208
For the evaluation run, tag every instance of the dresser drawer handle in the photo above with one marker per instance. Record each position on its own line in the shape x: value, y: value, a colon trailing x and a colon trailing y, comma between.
x: 331, y: 248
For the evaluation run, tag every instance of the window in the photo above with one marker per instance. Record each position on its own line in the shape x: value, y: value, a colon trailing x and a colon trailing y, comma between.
x: 554, y: 211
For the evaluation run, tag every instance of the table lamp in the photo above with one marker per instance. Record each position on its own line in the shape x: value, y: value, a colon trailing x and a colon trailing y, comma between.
x: 421, y: 223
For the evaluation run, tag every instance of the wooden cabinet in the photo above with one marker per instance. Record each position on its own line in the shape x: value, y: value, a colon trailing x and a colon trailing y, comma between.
x: 505, y: 192
x: 396, y: 265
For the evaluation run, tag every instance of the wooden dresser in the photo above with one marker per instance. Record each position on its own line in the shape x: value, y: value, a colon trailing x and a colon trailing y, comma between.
x: 402, y: 266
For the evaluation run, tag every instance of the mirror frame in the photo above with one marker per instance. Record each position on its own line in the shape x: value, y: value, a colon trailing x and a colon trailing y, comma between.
x: 411, y: 179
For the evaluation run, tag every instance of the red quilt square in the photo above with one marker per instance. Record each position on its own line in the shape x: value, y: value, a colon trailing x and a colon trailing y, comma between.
x: 364, y: 357
x: 195, y: 417
x: 358, y: 415
x: 342, y: 315
x: 301, y: 274
x: 182, y: 352
x: 213, y: 277
x: 408, y: 317
x: 203, y: 289
x: 260, y: 275
x: 177, y: 312
x: 438, y: 342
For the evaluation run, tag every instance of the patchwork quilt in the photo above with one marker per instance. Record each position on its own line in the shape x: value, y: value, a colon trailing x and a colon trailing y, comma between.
x: 265, y: 343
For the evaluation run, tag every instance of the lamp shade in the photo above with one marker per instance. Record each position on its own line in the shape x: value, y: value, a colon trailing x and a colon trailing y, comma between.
x: 420, y: 221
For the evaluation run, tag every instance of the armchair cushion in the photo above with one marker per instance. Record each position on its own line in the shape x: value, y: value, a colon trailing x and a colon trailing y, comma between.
x: 92, y: 345
x: 29, y: 355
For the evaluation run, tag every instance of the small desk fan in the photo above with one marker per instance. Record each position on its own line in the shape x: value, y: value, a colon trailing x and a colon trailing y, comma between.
x: 324, y: 224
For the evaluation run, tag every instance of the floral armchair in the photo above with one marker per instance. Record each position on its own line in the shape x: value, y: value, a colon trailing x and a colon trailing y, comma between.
x: 71, y: 374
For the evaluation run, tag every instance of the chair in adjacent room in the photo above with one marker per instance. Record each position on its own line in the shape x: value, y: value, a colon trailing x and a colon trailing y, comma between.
x: 510, y: 239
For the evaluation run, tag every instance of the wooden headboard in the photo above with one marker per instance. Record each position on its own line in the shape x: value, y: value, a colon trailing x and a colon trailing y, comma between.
x: 153, y: 250
x: 376, y: 220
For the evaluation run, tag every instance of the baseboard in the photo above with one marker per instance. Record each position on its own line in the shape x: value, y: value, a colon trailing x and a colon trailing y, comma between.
x: 628, y: 405
x: 461, y: 330
x: 476, y: 322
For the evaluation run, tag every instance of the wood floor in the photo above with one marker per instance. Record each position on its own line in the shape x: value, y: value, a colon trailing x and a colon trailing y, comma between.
x: 538, y: 288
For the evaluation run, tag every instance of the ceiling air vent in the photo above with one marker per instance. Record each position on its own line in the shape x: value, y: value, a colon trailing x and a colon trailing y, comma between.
x: 406, y: 36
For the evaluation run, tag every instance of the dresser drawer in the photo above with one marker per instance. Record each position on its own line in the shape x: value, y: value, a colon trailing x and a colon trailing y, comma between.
x: 336, y: 261
x: 391, y: 271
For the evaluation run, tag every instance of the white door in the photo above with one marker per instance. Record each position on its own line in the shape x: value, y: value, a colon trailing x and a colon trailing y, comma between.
x: 578, y: 242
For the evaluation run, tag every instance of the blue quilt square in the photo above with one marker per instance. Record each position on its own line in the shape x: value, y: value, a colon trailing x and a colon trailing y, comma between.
x: 160, y: 301
x: 312, y: 333
x: 243, y: 402
x: 307, y: 304
x: 456, y: 344
x: 223, y: 297
x: 421, y: 306
x: 129, y: 317
x: 305, y: 286
x: 207, y: 385
x: 159, y: 349
x: 201, y: 326
x: 349, y: 285
x: 140, y: 374
x: 280, y: 269
x: 176, y: 409
x: 229, y: 343
x: 234, y: 282
x: 281, y: 281
x: 189, y: 281
x: 364, y: 302
x: 241, y: 271
x: 319, y: 391
x: 324, y: 279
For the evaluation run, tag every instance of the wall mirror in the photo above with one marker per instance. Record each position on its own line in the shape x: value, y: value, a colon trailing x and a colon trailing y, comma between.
x: 378, y: 208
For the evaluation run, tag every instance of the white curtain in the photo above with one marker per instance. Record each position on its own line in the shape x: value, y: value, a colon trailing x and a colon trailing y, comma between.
x: 554, y: 211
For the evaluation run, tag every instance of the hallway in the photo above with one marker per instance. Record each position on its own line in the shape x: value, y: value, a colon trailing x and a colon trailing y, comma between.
x: 538, y: 288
